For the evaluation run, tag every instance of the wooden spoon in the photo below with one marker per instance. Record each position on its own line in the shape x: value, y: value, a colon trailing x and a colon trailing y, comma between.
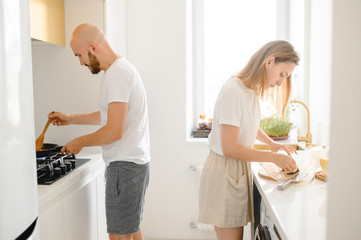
x: 40, y: 140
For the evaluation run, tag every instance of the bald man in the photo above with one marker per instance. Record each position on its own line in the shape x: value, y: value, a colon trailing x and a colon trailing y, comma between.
x: 123, y: 133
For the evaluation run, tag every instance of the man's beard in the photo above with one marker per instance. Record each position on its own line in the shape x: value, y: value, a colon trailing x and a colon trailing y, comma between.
x: 94, y: 64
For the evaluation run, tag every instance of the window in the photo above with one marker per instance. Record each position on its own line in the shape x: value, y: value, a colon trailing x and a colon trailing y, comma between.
x: 225, y: 34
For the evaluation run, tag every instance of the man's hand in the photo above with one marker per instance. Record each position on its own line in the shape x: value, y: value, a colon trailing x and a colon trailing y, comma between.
x: 73, y: 147
x: 59, y: 118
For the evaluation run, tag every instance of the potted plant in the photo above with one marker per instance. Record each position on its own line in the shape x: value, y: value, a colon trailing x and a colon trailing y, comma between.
x: 275, y: 127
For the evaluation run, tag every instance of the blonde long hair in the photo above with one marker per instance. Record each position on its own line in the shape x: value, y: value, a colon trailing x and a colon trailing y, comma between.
x: 253, y: 74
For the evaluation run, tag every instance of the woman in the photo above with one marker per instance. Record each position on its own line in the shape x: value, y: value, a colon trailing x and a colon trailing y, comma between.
x: 225, y: 192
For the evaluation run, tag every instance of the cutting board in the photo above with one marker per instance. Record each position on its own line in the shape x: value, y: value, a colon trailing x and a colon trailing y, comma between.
x: 272, y: 172
x: 321, y: 175
x: 274, y: 175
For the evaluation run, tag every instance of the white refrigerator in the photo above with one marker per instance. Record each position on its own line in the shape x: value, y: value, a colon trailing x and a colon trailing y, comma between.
x: 18, y: 184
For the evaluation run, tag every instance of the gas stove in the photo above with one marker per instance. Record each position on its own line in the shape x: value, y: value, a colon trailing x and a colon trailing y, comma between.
x: 52, y: 168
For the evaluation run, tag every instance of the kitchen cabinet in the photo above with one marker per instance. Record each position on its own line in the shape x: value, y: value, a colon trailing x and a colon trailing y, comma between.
x: 73, y: 217
x: 47, y: 21
x: 80, y: 214
x: 74, y: 207
x: 51, y: 221
x: 101, y: 219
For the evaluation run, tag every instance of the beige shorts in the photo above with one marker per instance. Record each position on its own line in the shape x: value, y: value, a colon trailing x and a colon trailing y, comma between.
x: 225, y: 194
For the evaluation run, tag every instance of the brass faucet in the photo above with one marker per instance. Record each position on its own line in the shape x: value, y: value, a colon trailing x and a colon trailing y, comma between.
x: 308, y: 137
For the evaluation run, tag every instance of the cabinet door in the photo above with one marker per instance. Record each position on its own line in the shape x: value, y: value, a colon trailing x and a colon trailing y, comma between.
x: 102, y: 226
x: 47, y: 21
x: 51, y: 221
x: 80, y: 213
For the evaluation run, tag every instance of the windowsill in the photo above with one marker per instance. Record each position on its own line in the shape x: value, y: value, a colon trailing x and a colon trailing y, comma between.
x: 191, y: 141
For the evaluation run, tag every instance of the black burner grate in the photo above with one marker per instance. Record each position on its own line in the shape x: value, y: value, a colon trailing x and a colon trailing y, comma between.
x: 52, y: 168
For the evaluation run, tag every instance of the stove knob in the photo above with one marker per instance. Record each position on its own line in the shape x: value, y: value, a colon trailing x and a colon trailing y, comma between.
x: 57, y: 172
x: 73, y: 163
x: 55, y: 164
x: 68, y: 166
x: 63, y: 169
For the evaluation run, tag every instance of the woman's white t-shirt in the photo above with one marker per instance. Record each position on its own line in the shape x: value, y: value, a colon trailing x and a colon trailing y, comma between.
x: 238, y: 106
x: 122, y: 83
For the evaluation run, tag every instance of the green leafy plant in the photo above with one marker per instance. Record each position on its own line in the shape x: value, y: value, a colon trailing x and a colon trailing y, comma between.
x: 275, y: 126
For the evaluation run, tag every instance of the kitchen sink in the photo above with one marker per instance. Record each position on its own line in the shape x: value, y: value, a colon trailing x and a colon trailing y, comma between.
x: 265, y: 147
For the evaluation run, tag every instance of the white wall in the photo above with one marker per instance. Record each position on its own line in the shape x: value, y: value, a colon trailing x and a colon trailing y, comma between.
x: 60, y: 83
x: 156, y: 45
x: 115, y: 25
x: 156, y: 38
x: 319, y: 82
x: 344, y: 193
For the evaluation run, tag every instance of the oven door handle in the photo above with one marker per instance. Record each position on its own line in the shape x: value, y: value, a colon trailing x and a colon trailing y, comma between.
x: 262, y: 233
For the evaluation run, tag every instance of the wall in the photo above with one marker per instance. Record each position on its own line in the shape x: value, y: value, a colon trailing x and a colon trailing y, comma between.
x: 319, y: 84
x: 156, y: 45
x: 115, y: 25
x: 157, y: 37
x: 158, y: 51
x: 344, y: 190
x: 60, y: 83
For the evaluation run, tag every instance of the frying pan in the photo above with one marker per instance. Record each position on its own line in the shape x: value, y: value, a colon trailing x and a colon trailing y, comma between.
x: 48, y: 149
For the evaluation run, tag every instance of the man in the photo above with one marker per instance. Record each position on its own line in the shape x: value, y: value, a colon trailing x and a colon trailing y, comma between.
x: 124, y: 132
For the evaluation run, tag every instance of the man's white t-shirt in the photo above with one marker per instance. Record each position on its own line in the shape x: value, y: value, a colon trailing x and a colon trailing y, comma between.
x: 122, y: 83
x: 238, y: 106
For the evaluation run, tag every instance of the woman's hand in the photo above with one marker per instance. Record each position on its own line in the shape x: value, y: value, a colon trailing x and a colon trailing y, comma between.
x: 275, y: 147
x: 287, y: 163
x: 59, y: 118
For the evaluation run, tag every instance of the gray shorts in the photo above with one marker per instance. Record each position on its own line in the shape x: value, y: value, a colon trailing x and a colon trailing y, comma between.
x: 126, y: 183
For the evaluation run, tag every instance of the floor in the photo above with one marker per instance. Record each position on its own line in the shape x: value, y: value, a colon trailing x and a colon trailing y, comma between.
x: 246, y: 235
